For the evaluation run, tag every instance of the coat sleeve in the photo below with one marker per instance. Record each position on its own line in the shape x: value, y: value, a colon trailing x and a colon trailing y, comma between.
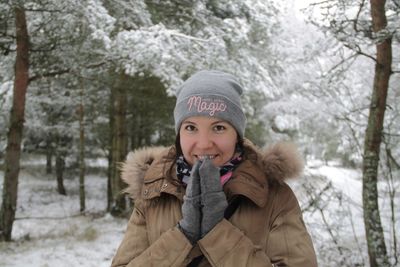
x: 289, y: 243
x: 226, y: 245
x: 170, y: 249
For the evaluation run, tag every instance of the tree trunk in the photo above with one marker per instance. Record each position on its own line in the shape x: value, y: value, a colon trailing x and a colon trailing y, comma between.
x: 110, y: 145
x: 81, y: 153
x: 60, y: 166
x: 109, y: 155
x: 119, y: 145
x: 390, y: 160
x: 373, y: 226
x: 49, y: 157
x: 14, y: 137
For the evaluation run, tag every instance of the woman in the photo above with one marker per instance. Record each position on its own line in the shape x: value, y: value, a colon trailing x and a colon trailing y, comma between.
x: 213, y: 199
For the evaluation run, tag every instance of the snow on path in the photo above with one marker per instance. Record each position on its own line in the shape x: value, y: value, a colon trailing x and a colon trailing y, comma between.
x: 49, y: 231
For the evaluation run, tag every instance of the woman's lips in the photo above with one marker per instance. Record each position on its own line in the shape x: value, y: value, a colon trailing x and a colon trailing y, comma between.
x: 204, y: 157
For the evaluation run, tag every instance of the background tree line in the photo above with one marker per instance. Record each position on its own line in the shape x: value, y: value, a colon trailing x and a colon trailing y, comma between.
x: 87, y: 79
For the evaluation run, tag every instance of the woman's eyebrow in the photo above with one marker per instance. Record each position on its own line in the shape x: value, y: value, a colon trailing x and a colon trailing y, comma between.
x: 218, y: 122
x: 188, y: 122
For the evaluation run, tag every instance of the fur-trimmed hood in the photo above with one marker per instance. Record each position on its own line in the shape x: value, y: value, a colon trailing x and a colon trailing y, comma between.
x: 278, y: 162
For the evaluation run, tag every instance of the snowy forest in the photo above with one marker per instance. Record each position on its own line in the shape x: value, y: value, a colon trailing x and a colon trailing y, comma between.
x: 83, y: 83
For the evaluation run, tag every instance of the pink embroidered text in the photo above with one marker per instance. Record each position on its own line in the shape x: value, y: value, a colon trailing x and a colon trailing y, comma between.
x: 211, y: 105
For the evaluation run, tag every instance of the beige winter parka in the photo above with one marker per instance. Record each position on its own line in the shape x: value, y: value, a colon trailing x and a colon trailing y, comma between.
x: 266, y: 229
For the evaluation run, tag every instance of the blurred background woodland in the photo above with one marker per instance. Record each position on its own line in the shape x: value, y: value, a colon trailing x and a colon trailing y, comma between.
x: 91, y: 80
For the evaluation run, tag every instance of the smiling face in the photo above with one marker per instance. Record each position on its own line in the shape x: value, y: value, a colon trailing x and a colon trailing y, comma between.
x: 202, y: 137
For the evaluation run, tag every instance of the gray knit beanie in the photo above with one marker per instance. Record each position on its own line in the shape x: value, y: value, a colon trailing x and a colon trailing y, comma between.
x: 211, y: 93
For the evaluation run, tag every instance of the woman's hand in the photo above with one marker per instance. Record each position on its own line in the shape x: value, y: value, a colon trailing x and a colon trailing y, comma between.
x: 191, y: 210
x: 213, y: 198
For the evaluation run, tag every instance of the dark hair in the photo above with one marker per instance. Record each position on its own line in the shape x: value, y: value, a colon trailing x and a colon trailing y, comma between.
x: 240, y: 144
x: 173, y: 154
x: 178, y: 145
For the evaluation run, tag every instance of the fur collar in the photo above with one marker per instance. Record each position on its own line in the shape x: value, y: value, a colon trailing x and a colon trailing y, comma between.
x: 279, y: 162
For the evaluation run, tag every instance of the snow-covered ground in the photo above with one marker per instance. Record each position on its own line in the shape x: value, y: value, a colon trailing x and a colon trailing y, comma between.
x: 49, y: 230
x: 335, y: 218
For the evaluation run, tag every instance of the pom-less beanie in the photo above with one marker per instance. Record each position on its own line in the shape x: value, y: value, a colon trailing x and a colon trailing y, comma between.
x: 211, y: 93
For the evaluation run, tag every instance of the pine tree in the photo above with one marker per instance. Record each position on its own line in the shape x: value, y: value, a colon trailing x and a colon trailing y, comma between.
x: 373, y: 138
x: 14, y: 137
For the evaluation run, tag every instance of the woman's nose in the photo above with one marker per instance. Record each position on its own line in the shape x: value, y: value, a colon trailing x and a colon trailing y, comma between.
x: 204, y: 141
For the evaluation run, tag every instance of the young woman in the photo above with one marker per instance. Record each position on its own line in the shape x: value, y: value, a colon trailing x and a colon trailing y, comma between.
x: 213, y: 199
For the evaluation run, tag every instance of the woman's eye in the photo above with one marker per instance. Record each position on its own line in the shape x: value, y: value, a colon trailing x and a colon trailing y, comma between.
x: 219, y: 128
x: 190, y: 128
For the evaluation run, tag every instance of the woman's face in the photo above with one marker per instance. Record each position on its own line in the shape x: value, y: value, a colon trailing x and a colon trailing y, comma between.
x: 207, y: 137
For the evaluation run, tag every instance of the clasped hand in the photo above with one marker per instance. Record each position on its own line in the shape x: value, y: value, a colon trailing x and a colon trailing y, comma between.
x: 204, y: 202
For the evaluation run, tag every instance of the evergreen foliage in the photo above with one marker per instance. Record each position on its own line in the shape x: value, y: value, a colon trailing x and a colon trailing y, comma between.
x: 310, y: 84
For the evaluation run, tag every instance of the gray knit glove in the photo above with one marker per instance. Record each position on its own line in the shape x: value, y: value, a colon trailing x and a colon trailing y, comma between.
x: 191, y: 210
x: 213, y: 198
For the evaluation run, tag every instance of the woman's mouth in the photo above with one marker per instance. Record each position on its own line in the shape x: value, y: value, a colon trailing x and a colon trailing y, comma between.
x: 204, y: 157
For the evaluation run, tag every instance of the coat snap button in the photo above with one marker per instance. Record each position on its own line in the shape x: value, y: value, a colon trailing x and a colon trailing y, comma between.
x: 165, y: 185
x: 145, y: 192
